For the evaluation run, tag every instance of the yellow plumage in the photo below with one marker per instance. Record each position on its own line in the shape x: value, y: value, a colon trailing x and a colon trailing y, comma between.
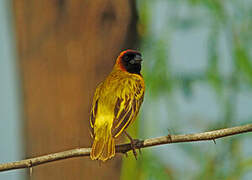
x: 116, y: 104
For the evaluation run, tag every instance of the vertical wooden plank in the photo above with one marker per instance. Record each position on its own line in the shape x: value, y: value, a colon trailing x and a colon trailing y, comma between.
x: 65, y: 48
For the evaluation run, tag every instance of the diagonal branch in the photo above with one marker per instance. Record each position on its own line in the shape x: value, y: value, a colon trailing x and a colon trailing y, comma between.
x: 123, y: 148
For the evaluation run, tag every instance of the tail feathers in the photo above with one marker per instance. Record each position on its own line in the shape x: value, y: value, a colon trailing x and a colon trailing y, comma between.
x: 103, y: 148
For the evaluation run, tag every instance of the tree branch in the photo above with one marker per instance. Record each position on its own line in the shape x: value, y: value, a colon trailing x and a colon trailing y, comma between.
x: 123, y: 148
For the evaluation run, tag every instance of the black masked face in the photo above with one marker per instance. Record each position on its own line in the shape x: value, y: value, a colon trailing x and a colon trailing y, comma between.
x: 132, y: 62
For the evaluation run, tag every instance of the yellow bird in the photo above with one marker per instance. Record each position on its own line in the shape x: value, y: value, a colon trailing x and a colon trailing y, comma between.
x: 116, y: 103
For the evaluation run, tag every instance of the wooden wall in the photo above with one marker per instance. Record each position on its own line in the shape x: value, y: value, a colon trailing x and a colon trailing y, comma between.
x: 65, y: 48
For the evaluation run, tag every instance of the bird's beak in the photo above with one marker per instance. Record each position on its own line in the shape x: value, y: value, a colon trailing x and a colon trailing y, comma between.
x: 138, y: 59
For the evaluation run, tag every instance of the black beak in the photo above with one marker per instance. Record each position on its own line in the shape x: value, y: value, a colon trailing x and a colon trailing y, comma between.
x: 138, y: 59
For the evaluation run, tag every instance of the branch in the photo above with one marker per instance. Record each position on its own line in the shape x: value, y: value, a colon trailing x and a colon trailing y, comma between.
x: 123, y: 148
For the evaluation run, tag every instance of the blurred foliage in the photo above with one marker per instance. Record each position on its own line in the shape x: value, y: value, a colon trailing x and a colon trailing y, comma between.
x: 227, y: 73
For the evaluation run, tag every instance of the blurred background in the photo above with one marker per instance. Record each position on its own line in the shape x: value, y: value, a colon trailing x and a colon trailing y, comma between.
x: 197, y: 68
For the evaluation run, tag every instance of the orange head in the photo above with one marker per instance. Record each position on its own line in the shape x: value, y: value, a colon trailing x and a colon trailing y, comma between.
x: 130, y: 61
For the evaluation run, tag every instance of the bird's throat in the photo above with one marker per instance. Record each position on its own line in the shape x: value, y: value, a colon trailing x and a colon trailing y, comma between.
x: 132, y: 68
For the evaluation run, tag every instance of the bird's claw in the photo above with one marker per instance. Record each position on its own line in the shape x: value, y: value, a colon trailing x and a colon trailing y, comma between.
x: 135, y: 144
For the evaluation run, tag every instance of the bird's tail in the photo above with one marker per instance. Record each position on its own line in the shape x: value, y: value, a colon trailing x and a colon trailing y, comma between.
x: 103, y: 147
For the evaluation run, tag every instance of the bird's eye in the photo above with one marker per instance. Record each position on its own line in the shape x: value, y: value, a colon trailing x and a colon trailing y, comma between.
x: 126, y: 58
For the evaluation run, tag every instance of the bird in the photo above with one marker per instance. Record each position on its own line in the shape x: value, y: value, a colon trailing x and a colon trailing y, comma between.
x: 116, y: 104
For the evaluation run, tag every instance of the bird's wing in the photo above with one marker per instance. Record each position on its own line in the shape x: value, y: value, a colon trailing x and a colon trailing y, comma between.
x: 127, y: 108
x: 94, y: 108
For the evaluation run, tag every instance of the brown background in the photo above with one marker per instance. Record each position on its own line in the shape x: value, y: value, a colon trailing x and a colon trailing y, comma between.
x: 65, y: 48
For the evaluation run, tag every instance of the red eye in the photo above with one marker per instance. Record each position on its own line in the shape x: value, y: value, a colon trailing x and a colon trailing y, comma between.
x: 126, y: 58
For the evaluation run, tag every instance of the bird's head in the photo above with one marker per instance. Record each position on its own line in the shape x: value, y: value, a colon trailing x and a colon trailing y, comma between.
x: 130, y: 61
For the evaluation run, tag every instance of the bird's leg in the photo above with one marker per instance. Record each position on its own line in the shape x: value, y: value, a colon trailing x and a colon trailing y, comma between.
x: 134, y: 143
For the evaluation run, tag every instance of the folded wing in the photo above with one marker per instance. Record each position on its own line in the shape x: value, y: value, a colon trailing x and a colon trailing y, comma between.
x: 126, y: 110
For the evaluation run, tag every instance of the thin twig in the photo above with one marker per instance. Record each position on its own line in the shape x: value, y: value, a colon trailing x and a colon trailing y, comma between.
x: 124, y: 148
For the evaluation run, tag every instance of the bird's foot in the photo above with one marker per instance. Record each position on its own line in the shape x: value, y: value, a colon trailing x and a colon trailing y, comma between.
x: 135, y: 144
